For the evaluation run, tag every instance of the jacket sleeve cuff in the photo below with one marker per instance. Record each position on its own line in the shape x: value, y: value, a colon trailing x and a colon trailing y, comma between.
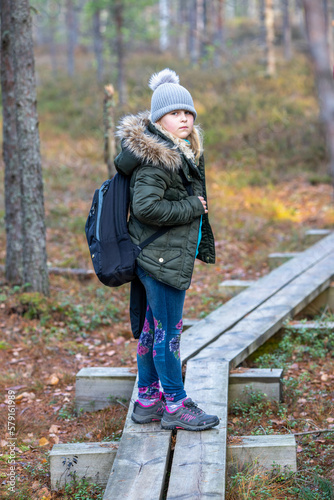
x: 197, y: 205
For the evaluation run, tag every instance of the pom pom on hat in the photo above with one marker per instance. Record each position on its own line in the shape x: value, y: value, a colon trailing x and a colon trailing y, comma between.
x: 168, y: 95
x: 165, y: 76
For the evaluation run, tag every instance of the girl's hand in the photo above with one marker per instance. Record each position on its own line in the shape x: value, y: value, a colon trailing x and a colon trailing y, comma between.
x: 202, y: 200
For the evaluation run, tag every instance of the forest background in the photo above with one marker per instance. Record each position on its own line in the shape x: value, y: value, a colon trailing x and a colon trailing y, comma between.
x: 248, y: 68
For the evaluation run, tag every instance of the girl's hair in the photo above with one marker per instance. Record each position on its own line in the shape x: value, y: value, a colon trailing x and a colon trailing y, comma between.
x: 196, y: 141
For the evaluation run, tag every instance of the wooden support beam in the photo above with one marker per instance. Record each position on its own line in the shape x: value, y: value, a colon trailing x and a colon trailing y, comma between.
x: 324, y: 301
x: 249, y: 380
x: 97, y: 388
x: 312, y: 325
x: 278, y: 258
x: 314, y: 235
x: 233, y: 287
x: 267, y: 451
x: 90, y: 460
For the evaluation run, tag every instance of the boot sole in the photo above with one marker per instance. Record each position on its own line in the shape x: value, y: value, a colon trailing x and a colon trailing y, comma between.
x: 185, y: 427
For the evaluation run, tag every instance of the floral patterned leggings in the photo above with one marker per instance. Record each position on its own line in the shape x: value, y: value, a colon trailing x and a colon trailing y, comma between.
x: 158, y: 353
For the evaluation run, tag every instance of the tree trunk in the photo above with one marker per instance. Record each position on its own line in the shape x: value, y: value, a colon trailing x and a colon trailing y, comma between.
x: 109, y: 129
x: 252, y: 9
x: 200, y: 26
x: 33, y: 222
x: 71, y: 36
x: 262, y: 19
x: 182, y: 31
x: 98, y: 44
x: 219, y: 38
x: 270, y: 37
x: 118, y: 16
x: 286, y: 30
x: 164, y: 24
x: 316, y: 30
x: 13, y: 219
x: 193, y: 38
x: 328, y: 11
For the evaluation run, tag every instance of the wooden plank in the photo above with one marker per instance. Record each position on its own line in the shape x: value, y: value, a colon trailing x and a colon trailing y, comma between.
x: 267, y: 450
x: 266, y: 381
x: 251, y: 332
x: 90, y: 460
x: 99, y: 387
x: 312, y: 325
x: 199, y: 460
x: 140, y: 465
x: 229, y: 314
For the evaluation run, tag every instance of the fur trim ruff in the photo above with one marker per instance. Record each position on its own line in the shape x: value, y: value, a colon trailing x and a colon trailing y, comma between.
x: 148, y: 147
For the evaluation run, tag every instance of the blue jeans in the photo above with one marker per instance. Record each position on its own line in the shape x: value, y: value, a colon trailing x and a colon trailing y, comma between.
x: 158, y: 353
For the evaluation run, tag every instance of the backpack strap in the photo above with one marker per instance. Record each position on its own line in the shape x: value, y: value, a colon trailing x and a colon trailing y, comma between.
x: 164, y: 230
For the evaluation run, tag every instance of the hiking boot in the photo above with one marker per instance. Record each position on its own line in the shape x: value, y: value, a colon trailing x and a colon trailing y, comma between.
x: 188, y: 417
x: 145, y: 414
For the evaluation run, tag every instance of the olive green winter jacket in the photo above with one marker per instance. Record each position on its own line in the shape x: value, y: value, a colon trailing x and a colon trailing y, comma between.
x: 159, y: 198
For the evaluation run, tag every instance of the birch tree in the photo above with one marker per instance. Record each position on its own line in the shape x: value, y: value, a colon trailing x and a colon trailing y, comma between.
x: 270, y: 37
x: 315, y: 18
x: 23, y: 176
x: 286, y: 29
x: 164, y: 15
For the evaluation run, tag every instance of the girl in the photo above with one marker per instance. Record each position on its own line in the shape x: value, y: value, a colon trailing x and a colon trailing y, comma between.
x: 162, y: 152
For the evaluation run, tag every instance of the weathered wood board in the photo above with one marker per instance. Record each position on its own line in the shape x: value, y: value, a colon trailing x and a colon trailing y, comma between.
x: 90, y: 460
x: 199, y: 461
x: 140, y: 465
x: 247, y: 320
x: 229, y: 314
x: 278, y: 258
x: 266, y: 450
x: 266, y: 381
x: 98, y: 387
x: 251, y: 332
x: 314, y: 235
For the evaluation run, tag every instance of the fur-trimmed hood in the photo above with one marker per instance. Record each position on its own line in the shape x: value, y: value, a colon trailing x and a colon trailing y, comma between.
x: 149, y: 143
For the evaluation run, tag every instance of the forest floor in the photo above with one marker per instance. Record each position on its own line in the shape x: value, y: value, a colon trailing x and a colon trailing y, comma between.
x: 267, y: 185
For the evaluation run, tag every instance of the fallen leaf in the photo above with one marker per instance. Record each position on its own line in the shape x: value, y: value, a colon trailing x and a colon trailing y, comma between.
x: 54, y: 429
x: 43, y: 442
x: 52, y: 380
x: 324, y: 377
x: 35, y: 485
x: 294, y: 366
x: 330, y: 420
x: 3, y: 443
x: 119, y: 340
x: 299, y: 449
x: 301, y: 401
x: 110, y: 353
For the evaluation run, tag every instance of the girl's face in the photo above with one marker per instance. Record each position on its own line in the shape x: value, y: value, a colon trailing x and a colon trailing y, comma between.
x: 179, y: 123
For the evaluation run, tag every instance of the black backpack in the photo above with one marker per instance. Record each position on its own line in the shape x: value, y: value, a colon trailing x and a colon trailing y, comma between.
x: 112, y: 251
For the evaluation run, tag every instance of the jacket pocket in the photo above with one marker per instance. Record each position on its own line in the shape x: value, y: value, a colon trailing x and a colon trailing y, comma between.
x: 161, y: 256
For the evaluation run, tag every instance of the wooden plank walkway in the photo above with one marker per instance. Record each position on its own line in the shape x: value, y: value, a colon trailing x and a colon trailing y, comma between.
x: 140, y: 466
x: 199, y: 461
x: 210, y: 328
x: 246, y: 321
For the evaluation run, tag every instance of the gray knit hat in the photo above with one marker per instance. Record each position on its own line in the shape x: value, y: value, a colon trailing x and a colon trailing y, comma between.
x: 168, y: 95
